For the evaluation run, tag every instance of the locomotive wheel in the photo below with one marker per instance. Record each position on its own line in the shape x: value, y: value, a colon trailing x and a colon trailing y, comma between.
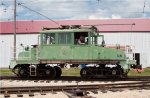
x: 58, y: 71
x: 23, y: 72
x: 50, y: 72
x: 85, y: 73
x: 116, y: 72
x: 16, y: 71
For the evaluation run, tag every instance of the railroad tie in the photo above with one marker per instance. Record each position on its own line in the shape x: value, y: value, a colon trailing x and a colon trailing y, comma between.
x: 42, y: 93
x: 19, y: 95
x: 6, y: 95
x: 31, y: 94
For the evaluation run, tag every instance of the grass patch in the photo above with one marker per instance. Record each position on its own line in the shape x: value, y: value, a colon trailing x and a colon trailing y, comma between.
x: 65, y: 72
x: 6, y: 72
x: 76, y: 72
x: 71, y: 72
x: 145, y: 73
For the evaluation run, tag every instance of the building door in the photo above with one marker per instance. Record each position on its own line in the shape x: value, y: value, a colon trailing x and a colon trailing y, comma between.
x: 137, y: 58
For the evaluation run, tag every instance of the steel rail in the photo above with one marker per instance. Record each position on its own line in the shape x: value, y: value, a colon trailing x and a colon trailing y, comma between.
x: 76, y: 78
x: 16, y: 90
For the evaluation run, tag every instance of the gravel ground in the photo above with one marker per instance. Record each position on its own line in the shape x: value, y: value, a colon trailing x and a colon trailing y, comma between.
x: 100, y: 94
x: 123, y: 94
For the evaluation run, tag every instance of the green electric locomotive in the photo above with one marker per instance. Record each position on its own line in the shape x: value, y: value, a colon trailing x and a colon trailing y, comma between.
x: 73, y: 45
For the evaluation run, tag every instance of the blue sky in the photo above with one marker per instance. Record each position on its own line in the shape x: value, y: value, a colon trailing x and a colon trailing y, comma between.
x: 75, y: 9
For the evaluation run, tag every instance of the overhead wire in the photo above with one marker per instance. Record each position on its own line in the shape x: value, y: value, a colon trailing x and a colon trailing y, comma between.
x: 29, y: 1
x: 38, y: 13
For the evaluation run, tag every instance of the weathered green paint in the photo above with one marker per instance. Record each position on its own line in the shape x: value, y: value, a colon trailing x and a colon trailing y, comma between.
x: 25, y: 57
x: 79, y: 52
x: 71, y: 51
x: 13, y: 63
x: 27, y: 54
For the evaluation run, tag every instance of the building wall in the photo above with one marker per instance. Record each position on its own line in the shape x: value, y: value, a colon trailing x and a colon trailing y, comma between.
x: 141, y: 41
x: 6, y: 46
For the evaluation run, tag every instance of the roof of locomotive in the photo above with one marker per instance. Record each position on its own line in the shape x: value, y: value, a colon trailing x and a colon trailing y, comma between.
x: 66, y: 29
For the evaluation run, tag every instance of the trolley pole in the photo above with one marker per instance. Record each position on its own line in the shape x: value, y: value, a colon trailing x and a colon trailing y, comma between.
x: 14, y: 30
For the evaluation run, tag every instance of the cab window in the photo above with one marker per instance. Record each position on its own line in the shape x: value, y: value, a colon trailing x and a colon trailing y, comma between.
x: 81, y: 38
x: 64, y: 38
x: 49, y: 38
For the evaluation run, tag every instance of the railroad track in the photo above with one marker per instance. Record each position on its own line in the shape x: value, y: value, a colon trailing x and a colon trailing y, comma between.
x: 41, y: 89
x: 77, y: 78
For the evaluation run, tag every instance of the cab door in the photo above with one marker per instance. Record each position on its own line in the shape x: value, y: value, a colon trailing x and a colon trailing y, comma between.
x: 80, y: 49
x: 64, y: 51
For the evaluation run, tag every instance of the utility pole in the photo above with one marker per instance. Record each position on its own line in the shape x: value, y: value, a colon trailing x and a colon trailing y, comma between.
x: 14, y: 30
x: 144, y: 7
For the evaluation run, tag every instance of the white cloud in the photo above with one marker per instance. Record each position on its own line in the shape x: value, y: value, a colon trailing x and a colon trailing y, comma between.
x: 116, y: 16
x: 97, y: 17
x: 79, y: 9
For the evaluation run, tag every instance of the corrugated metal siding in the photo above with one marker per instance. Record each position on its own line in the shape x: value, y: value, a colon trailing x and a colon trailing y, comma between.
x: 141, y: 41
x: 6, y: 46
